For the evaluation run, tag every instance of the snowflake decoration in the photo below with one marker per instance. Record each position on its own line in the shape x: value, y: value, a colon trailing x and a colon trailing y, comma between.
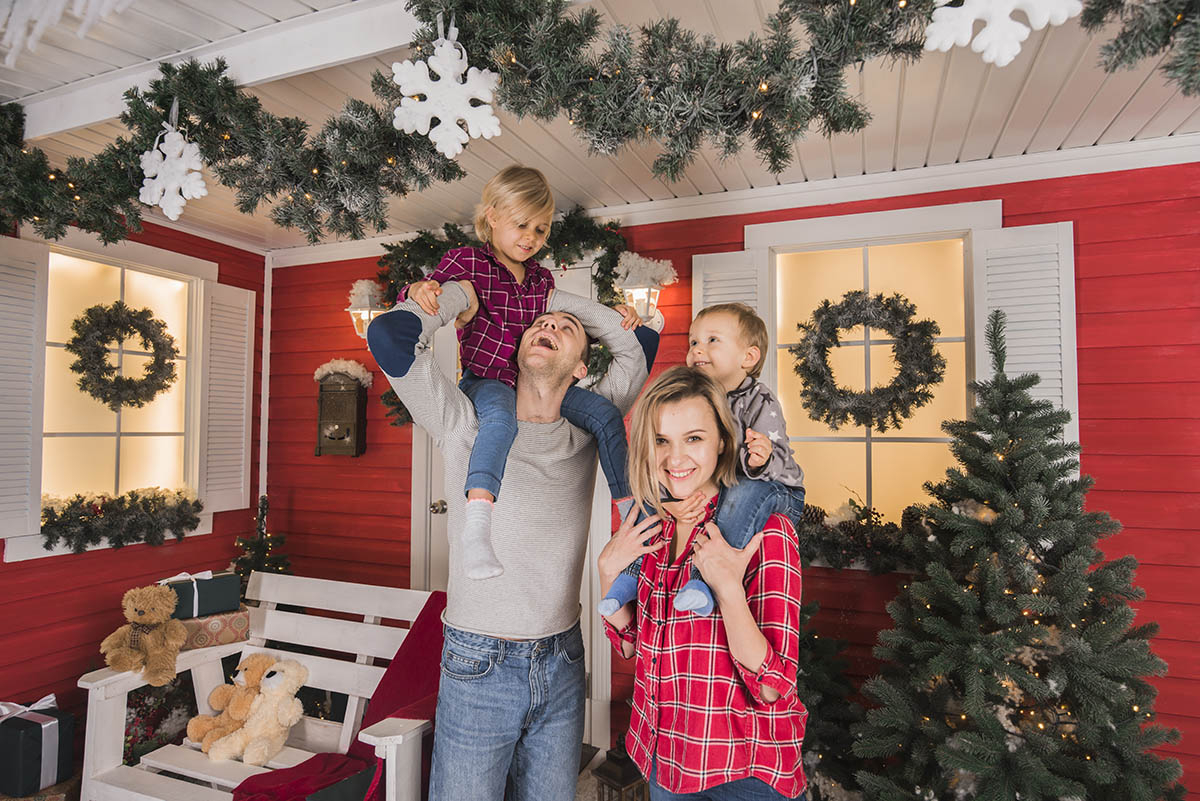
x: 447, y: 97
x: 1001, y: 37
x: 172, y: 171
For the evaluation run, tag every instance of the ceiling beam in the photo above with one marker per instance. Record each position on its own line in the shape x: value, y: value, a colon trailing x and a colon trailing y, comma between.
x: 337, y: 35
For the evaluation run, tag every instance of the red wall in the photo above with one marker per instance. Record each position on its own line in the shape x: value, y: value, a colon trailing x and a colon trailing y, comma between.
x: 56, y: 610
x: 1137, y: 263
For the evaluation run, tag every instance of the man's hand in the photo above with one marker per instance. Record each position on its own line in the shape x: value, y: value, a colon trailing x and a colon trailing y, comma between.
x: 425, y: 293
x: 759, y: 448
x: 629, y: 317
x: 472, y: 304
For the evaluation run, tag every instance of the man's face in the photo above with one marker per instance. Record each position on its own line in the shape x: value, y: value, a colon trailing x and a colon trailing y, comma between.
x: 553, y: 346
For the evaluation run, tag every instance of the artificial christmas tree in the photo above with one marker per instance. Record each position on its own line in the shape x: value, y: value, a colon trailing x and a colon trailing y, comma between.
x: 1014, y: 670
x: 260, y: 552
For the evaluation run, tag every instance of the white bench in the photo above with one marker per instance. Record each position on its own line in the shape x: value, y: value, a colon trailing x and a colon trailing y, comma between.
x: 363, y: 641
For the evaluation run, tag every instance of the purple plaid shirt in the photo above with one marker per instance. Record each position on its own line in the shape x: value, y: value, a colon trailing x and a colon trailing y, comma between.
x: 488, y: 344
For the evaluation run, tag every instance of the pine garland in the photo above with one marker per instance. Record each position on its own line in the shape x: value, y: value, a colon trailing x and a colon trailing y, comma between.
x: 141, y: 515
x: 1149, y: 28
x: 97, y: 328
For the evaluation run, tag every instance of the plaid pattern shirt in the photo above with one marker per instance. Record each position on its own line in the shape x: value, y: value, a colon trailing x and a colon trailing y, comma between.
x: 488, y: 344
x: 695, y: 708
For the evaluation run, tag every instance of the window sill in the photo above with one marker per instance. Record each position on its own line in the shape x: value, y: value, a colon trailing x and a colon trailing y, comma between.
x: 30, y: 546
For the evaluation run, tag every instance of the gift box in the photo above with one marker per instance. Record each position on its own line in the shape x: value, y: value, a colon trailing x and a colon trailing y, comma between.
x: 206, y: 593
x: 63, y: 791
x: 36, y: 744
x: 219, y: 629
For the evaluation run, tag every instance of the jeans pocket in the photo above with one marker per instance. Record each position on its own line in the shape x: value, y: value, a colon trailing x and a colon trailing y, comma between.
x: 466, y: 665
x: 571, y: 650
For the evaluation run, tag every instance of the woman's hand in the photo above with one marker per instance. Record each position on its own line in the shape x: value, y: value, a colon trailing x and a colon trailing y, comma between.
x: 722, y: 565
x: 626, y: 546
x: 425, y: 293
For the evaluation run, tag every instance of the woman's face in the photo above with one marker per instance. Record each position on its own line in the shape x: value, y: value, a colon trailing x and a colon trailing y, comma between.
x: 686, y: 447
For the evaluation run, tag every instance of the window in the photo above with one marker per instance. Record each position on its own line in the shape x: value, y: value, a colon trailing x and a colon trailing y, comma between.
x: 886, y: 470
x: 86, y: 447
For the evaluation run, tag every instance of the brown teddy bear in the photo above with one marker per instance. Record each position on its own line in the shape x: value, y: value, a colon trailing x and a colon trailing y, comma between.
x: 232, y: 701
x: 273, y: 713
x: 151, y: 639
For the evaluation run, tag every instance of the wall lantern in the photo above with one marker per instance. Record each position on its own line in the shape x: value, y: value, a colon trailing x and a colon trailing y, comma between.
x: 366, y: 303
x: 618, y: 778
x: 342, y: 407
x: 640, y: 281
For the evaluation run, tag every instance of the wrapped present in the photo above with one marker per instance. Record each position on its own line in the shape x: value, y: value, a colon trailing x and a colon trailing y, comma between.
x: 219, y: 629
x: 36, y: 744
x: 63, y: 791
x: 205, y: 593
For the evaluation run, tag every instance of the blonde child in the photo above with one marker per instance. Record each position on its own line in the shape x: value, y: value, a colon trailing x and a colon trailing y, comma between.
x: 728, y: 342
x: 513, y: 221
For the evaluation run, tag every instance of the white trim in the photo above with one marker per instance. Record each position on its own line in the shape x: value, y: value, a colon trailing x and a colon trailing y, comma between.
x: 20, y: 549
x: 195, y: 230
x: 307, y: 43
x: 926, y: 222
x: 265, y: 394
x: 336, y: 251
x: 130, y: 253
x: 990, y: 172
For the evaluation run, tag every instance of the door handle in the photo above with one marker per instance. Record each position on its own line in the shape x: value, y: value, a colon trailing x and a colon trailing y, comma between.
x: 437, y: 508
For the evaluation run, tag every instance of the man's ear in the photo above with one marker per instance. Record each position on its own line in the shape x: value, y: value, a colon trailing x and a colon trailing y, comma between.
x: 753, y: 354
x: 579, y: 372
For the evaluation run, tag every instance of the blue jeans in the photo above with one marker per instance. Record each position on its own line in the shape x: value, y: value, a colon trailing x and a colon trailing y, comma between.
x: 750, y: 789
x: 509, y: 712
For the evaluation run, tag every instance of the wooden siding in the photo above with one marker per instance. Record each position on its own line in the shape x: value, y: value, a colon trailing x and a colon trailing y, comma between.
x: 57, y: 609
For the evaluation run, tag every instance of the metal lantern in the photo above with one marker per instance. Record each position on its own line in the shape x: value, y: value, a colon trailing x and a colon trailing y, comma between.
x: 362, y: 317
x: 366, y: 303
x: 341, y: 416
x: 644, y: 300
x: 618, y: 778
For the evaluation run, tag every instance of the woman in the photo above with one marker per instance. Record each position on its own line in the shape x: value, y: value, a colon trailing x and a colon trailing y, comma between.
x: 715, y: 712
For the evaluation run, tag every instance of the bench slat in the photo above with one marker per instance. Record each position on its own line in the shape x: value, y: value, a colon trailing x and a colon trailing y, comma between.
x: 391, y: 603
x: 195, y: 764
x: 124, y: 783
x: 347, y: 636
x: 335, y: 675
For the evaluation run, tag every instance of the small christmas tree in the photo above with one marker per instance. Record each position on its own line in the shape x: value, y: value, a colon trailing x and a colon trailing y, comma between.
x: 1014, y: 670
x: 260, y: 552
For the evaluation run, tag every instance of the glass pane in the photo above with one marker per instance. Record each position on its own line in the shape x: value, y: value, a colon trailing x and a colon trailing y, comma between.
x: 75, y: 285
x: 68, y: 409
x: 848, y: 370
x: 151, y: 462
x: 166, y: 411
x: 949, y: 397
x: 806, y: 279
x: 833, y: 472
x: 930, y: 274
x: 898, y: 471
x: 78, y: 464
x: 166, y: 297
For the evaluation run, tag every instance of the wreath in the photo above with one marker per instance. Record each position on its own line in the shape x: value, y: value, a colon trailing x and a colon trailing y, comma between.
x: 102, y: 325
x: 921, y: 366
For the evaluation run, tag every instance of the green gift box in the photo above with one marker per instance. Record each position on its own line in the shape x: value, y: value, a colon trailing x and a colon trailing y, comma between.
x: 205, y: 593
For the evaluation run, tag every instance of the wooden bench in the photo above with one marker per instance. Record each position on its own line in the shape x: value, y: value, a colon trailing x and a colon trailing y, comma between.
x: 362, y: 641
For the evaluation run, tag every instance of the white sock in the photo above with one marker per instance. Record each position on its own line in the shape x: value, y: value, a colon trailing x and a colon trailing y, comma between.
x: 479, y: 560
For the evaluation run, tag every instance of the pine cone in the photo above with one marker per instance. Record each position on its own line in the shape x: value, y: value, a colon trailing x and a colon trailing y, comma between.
x: 813, y: 515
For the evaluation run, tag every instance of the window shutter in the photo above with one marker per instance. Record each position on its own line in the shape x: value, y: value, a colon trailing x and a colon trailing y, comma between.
x: 24, y: 272
x: 225, y: 409
x: 1029, y: 273
x: 737, y: 277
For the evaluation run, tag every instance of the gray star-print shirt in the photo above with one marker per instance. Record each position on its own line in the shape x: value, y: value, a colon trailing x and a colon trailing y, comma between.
x: 754, y: 406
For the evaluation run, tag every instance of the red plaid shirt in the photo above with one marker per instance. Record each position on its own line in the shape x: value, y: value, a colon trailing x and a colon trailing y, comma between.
x: 696, y: 709
x: 488, y: 344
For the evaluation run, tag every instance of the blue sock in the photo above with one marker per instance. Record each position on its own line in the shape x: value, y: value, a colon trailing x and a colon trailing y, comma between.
x: 623, y: 590
x: 695, y: 596
x: 393, y: 338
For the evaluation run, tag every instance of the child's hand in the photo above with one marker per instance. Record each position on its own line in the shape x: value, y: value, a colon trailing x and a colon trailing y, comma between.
x: 626, y: 546
x: 629, y: 317
x: 687, y: 512
x: 425, y: 293
x: 759, y: 447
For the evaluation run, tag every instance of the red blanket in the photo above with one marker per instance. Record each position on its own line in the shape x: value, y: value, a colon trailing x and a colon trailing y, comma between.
x: 408, y: 689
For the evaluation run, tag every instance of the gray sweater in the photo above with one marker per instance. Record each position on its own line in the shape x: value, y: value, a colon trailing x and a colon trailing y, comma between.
x: 754, y: 406
x: 541, y: 518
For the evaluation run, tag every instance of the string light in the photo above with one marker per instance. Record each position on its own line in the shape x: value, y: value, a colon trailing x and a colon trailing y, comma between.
x: 762, y: 87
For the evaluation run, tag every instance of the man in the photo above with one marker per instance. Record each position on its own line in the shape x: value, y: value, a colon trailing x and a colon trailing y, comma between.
x: 511, y: 700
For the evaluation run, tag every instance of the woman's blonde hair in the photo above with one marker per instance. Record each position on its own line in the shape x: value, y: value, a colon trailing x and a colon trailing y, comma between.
x: 518, y: 191
x: 676, y: 384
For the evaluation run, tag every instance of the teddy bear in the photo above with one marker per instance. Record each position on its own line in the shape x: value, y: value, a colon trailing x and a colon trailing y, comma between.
x: 232, y: 701
x: 151, y: 639
x: 273, y: 713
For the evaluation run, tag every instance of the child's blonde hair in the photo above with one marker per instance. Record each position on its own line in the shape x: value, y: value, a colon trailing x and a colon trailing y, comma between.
x: 519, y: 191
x: 676, y: 384
x: 751, y: 330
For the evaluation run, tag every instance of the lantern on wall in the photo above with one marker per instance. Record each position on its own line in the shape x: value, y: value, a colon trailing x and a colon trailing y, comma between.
x: 640, y: 281
x: 366, y: 303
x: 618, y: 778
x: 342, y: 407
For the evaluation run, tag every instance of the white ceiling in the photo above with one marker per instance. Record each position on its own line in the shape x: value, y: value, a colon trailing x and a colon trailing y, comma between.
x: 948, y: 108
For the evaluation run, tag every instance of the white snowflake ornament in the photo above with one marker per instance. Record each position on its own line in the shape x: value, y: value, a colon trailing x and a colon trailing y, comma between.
x: 172, y: 170
x: 1001, y: 37
x: 448, y: 97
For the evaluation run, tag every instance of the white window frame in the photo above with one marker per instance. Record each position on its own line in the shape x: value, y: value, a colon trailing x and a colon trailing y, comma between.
x: 156, y: 261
